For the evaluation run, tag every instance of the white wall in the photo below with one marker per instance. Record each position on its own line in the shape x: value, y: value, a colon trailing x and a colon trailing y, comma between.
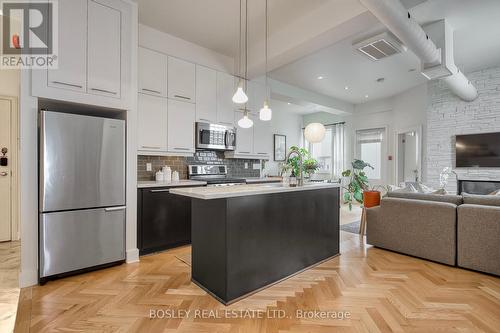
x: 448, y: 116
x: 285, y: 123
x: 162, y: 42
x: 9, y: 82
x: 396, y: 113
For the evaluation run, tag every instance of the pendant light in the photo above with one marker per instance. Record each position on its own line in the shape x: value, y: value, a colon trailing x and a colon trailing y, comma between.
x: 245, y: 122
x: 239, y: 96
x: 266, y: 114
x: 315, y: 132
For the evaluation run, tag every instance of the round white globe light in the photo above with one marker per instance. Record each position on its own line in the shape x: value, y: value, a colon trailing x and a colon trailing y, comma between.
x: 265, y: 113
x: 315, y: 132
x: 245, y: 122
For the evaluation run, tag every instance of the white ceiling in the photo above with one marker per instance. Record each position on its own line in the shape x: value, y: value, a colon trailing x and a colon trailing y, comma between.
x: 477, y: 45
x: 214, y: 24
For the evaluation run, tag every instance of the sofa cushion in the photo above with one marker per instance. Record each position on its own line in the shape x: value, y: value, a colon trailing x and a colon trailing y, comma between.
x: 454, y: 199
x: 485, y: 200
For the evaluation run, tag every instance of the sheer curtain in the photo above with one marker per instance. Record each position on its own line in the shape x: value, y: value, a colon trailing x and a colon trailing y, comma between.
x: 338, y: 149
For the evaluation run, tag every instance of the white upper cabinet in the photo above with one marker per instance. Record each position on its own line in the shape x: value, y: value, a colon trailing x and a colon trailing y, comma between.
x: 206, y: 94
x: 181, y: 118
x: 152, y: 120
x: 181, y: 80
x: 72, y: 54
x: 225, y: 106
x: 256, y: 96
x: 152, y: 72
x: 104, y: 53
x: 244, y: 136
x: 262, y: 144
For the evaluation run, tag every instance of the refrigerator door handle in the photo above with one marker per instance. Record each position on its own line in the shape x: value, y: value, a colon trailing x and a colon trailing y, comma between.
x: 113, y: 209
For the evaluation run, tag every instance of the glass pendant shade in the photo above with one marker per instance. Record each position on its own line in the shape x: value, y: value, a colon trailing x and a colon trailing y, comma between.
x: 265, y: 113
x: 315, y: 132
x: 239, y: 96
x: 245, y: 122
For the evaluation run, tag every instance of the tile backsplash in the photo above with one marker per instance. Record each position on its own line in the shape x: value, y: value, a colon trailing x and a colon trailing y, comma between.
x: 236, y: 167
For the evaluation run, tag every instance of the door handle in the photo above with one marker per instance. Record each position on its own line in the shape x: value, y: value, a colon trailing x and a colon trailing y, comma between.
x: 4, y: 174
x: 158, y: 191
x: 104, y: 91
x: 67, y: 84
x: 182, y: 97
x: 151, y: 91
x: 114, y: 209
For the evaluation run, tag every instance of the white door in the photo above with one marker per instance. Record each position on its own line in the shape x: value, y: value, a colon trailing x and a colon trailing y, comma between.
x: 225, y: 106
x: 181, y: 80
x: 244, y: 136
x: 371, y: 148
x: 104, y: 50
x: 152, y: 72
x: 72, y: 54
x: 152, y: 118
x: 206, y: 94
x: 181, y: 118
x: 263, y: 139
x: 5, y: 171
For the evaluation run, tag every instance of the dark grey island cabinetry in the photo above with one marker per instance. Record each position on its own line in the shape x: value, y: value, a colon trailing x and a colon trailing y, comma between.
x: 163, y: 219
x: 248, y: 237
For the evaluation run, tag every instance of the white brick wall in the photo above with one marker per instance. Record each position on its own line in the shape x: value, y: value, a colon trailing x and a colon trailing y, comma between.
x: 448, y: 116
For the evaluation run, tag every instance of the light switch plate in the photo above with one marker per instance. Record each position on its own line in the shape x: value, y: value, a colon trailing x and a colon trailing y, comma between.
x: 256, y: 166
x: 149, y: 167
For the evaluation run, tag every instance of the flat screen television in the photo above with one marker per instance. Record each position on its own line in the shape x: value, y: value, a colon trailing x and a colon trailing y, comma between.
x: 478, y: 150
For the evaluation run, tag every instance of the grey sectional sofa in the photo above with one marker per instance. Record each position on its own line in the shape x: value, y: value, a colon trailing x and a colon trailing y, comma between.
x: 449, y: 229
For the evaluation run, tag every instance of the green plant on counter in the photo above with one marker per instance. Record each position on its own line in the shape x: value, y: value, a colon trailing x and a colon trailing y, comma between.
x: 309, y: 164
x: 358, y: 182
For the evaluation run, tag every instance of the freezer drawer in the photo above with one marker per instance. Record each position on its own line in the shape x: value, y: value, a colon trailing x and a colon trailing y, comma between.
x: 82, y: 162
x: 80, y: 239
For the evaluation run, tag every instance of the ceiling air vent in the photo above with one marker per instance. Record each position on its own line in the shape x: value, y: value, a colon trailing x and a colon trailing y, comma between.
x: 379, y: 46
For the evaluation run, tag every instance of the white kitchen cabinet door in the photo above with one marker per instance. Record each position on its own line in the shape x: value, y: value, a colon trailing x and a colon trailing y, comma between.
x: 256, y: 96
x: 152, y: 120
x: 181, y: 80
x: 244, y: 136
x: 104, y: 50
x: 181, y: 118
x: 263, y: 140
x: 206, y: 94
x: 72, y: 52
x: 225, y: 106
x: 152, y: 72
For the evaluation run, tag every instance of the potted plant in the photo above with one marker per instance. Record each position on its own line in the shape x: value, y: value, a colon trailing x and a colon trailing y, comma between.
x: 358, y: 189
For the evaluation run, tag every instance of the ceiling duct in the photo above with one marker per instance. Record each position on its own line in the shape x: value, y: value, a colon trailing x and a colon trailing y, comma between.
x: 437, y: 63
x: 379, y: 46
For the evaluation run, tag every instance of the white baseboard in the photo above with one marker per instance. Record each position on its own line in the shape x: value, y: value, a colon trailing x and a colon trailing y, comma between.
x: 132, y: 255
x: 28, y: 278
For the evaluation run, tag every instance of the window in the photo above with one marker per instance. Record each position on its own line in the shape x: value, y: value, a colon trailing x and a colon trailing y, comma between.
x: 369, y: 149
x: 330, y: 152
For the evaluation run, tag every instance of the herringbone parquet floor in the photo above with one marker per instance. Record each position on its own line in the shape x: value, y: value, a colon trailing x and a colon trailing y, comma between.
x: 380, y: 290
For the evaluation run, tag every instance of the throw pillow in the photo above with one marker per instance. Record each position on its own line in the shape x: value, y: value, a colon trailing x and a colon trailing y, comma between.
x: 497, y: 192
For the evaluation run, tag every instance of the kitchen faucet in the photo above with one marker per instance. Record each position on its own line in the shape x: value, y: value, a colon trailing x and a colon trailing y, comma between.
x: 300, y: 176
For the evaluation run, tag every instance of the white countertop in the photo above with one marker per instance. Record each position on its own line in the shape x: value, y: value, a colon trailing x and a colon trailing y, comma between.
x: 262, y: 180
x: 208, y: 193
x: 180, y: 183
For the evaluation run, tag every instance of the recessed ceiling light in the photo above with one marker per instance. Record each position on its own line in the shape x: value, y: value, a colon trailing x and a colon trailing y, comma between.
x: 289, y: 103
x: 320, y: 77
x: 366, y: 96
x: 346, y: 88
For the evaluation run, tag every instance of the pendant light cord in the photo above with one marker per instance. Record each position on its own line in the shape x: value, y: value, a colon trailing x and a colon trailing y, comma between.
x: 246, y: 44
x: 239, y: 42
x: 266, y: 50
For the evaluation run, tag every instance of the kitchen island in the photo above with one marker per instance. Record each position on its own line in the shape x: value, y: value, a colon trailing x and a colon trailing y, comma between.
x: 248, y: 237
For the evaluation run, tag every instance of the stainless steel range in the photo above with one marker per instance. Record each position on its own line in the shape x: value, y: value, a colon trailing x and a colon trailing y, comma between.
x: 214, y: 175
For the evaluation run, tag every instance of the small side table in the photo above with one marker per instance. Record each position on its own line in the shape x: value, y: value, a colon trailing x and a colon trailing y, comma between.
x: 370, y: 199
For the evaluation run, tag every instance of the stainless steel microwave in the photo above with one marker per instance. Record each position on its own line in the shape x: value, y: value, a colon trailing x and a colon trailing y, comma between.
x: 214, y: 136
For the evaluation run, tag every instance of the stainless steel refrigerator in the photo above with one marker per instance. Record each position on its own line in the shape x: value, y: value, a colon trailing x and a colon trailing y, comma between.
x: 82, y: 192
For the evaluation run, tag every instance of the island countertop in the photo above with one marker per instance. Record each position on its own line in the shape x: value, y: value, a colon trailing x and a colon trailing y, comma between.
x: 218, y: 192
